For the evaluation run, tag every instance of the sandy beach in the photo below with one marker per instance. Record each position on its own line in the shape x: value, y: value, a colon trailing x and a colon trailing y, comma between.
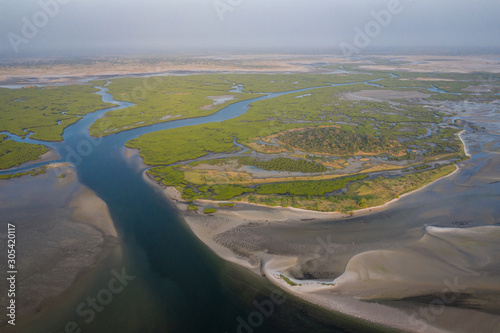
x: 391, y: 287
x: 62, y: 229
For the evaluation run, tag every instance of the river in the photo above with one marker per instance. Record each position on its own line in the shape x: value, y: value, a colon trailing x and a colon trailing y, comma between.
x: 179, y: 285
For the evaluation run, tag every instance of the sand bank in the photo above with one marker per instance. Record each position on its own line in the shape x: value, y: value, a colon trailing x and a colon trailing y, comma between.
x: 62, y: 229
x: 441, y: 269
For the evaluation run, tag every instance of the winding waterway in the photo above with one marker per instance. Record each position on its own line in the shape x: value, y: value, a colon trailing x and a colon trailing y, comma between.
x: 180, y: 285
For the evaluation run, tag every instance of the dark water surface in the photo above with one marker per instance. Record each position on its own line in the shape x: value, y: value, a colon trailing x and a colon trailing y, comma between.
x: 179, y: 285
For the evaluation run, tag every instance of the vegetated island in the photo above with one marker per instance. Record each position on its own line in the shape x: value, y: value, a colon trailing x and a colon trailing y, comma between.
x: 318, y: 154
x: 324, y: 149
x: 40, y: 113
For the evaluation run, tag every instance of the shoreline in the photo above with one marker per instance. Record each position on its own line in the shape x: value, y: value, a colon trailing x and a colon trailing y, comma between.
x: 466, y: 150
x: 206, y: 226
x: 49, y: 156
x: 272, y: 266
x: 72, y: 234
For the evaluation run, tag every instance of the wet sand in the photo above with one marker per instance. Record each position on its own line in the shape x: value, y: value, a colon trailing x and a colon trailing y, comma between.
x: 62, y: 229
x: 383, y: 264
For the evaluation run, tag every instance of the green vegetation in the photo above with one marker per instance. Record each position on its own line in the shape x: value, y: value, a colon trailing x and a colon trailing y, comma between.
x: 14, y: 153
x: 311, y: 132
x: 336, y: 141
x: 283, y: 113
x: 193, y: 207
x: 62, y: 175
x: 453, y: 83
x: 284, y: 164
x: 300, y: 188
x: 209, y: 210
x: 264, y: 83
x: 219, y: 192
x: 228, y: 204
x: 33, y: 172
x: 162, y: 99
x: 307, y: 188
x: 360, y: 194
x: 46, y: 111
x: 169, y: 175
x: 290, y: 282
x: 382, y: 189
x: 448, y: 85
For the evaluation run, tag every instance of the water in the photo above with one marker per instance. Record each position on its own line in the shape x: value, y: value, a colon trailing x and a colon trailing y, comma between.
x: 179, y: 285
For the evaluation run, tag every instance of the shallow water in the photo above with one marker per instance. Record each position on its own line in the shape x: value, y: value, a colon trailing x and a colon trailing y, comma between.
x: 181, y: 286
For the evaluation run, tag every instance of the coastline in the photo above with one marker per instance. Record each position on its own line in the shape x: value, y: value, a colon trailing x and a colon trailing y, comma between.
x: 466, y: 150
x: 63, y: 230
x: 339, y: 295
x: 207, y: 226
x: 49, y: 156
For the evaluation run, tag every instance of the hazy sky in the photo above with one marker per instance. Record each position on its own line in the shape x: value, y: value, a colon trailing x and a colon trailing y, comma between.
x: 94, y: 27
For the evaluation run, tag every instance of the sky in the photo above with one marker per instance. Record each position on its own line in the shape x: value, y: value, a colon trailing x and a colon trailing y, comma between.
x: 113, y: 27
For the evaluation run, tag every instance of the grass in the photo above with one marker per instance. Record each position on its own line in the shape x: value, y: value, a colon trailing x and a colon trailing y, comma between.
x: 230, y: 191
x: 283, y: 164
x: 209, y: 210
x: 14, y: 153
x: 383, y: 189
x: 46, y: 112
x: 43, y: 114
x: 360, y: 194
x: 290, y: 282
x: 34, y: 172
x: 162, y: 99
x: 307, y: 188
x: 321, y: 130
x: 269, y: 117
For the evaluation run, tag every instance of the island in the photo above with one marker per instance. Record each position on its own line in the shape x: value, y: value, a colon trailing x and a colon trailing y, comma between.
x: 365, y: 187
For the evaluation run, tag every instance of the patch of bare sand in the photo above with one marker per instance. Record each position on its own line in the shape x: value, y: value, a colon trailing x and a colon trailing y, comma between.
x: 90, y: 209
x: 51, y: 155
x: 62, y: 230
x: 440, y: 271
x: 439, y: 64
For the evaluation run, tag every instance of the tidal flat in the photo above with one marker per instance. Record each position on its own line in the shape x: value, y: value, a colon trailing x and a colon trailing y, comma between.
x: 62, y: 229
x: 427, y: 262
